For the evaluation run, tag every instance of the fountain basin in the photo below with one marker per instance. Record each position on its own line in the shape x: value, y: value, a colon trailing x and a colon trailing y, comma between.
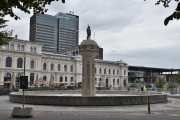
x: 78, y: 100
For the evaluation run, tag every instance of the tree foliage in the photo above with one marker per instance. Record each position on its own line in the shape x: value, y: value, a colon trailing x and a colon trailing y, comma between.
x: 4, y: 34
x: 38, y: 6
x: 7, y: 7
x: 160, y: 83
x: 175, y: 14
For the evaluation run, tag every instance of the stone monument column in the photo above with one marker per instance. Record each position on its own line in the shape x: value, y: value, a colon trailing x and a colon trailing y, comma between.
x: 88, y: 51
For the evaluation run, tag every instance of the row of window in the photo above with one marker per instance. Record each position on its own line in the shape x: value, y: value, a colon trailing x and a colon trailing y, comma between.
x: 19, y: 63
x: 109, y: 71
x: 21, y: 48
x: 114, y: 82
x: 61, y: 79
x: 32, y: 65
x: 58, y: 67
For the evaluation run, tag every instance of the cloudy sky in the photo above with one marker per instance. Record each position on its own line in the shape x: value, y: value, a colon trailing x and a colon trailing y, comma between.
x: 128, y: 30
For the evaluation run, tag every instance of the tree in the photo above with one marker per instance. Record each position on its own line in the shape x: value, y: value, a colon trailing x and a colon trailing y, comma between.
x: 4, y: 34
x: 160, y: 83
x: 7, y: 8
x: 175, y: 14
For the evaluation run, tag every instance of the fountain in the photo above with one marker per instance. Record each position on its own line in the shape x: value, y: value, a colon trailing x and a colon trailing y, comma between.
x: 88, y: 97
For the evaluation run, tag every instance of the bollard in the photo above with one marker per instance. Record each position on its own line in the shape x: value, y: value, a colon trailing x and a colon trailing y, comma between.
x: 148, y: 104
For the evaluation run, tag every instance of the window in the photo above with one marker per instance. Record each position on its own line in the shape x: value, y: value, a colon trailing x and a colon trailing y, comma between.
x: 72, y: 79
x: 59, y: 67
x: 95, y: 70
x: 7, y: 77
x: 8, y: 62
x: 31, y: 49
x: 65, y: 68
x: 52, y: 66
x: 124, y: 72
x: 32, y: 64
x: 61, y: 79
x: 44, y: 66
x: 99, y: 70
x: 104, y: 70
x: 113, y: 71
x: 44, y: 78
x: 71, y: 68
x: 22, y: 47
x: 34, y: 49
x: 31, y: 78
x: 118, y: 81
x: 117, y: 72
x: 113, y: 82
x: 124, y: 82
x: 65, y: 79
x: 19, y: 63
x: 12, y: 46
x: 109, y: 71
x: 18, y: 47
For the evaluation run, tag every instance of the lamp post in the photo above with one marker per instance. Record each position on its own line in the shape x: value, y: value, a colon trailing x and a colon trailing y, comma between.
x: 24, y: 75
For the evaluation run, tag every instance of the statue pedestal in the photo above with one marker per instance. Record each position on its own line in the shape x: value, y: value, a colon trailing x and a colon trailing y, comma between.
x: 88, y: 50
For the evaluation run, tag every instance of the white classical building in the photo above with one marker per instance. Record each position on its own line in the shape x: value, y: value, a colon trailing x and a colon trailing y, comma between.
x: 54, y: 70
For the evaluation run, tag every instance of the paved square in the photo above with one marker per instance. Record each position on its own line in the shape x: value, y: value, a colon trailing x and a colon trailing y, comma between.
x: 169, y: 111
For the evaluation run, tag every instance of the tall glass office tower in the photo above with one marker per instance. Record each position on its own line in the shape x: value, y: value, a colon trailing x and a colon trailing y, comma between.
x: 57, y: 33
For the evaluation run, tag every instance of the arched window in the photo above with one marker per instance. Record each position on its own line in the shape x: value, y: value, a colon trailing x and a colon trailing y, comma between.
x: 31, y: 49
x: 31, y: 78
x: 124, y: 72
x: 22, y: 47
x: 8, y: 62
x: 65, y: 79
x: 44, y: 66
x: 117, y: 72
x: 59, y: 67
x: 19, y: 63
x: 61, y: 79
x: 18, y: 47
x: 7, y: 77
x: 32, y: 64
x: 44, y: 78
x: 52, y: 66
x: 104, y: 70
x: 124, y: 82
x: 118, y: 81
x: 113, y: 82
x: 109, y: 71
x: 65, y: 68
x: 72, y: 79
x: 99, y: 70
x: 113, y: 71
x: 71, y: 68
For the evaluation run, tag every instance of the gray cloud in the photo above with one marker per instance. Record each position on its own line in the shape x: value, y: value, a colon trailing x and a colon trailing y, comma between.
x: 131, y: 30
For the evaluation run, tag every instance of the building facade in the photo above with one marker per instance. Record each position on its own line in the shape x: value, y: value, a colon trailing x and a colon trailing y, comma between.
x: 54, y: 70
x: 57, y: 33
x: 75, y: 52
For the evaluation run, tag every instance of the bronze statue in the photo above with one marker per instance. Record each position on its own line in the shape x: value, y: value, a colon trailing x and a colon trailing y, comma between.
x: 88, y: 30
